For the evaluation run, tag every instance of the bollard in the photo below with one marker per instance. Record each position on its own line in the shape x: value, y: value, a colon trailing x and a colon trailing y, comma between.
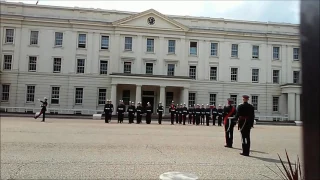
x: 178, y: 176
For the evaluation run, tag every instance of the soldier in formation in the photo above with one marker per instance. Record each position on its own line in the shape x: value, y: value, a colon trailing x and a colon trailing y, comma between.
x: 184, y: 113
x: 214, y: 115
x: 149, y: 112
x: 120, y: 110
x: 220, y: 115
x: 172, y: 111
x: 198, y: 114
x: 208, y: 112
x: 229, y: 123
x: 190, y: 116
x: 139, y: 111
x: 108, y: 109
x: 160, y: 112
x: 203, y: 113
x: 131, y: 112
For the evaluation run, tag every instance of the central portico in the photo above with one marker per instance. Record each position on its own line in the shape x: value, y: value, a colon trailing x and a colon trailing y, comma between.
x: 149, y: 88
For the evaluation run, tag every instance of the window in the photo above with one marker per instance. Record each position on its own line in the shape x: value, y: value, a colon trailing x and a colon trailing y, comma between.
x: 150, y: 45
x: 296, y: 54
x: 56, y: 65
x: 171, y: 47
x: 234, y: 74
x: 193, y: 72
x: 7, y: 62
x: 276, y: 53
x: 275, y: 76
x: 32, y: 63
x: 128, y: 43
x: 126, y: 96
x: 55, y: 95
x: 58, y: 39
x: 149, y: 68
x: 9, y: 36
x: 104, y: 42
x: 103, y: 67
x: 30, y: 94
x: 78, y: 96
x: 255, y: 75
x: 169, y: 98
x: 212, y: 99
x: 192, y: 98
x: 275, y: 103
x: 82, y: 40
x: 193, y: 48
x: 255, y: 52
x: 171, y: 69
x: 127, y: 67
x: 5, y: 93
x: 234, y: 50
x: 234, y: 98
x: 102, y: 96
x: 34, y: 37
x: 213, y: 73
x: 254, y: 101
x: 296, y: 77
x: 214, y: 49
x: 80, y: 66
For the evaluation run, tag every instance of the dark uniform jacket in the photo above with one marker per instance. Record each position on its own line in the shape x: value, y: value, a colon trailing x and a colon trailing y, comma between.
x: 44, y: 105
x: 184, y: 110
x: 139, y: 110
x: 172, y: 109
x: 214, y: 112
x: 198, y: 111
x: 208, y: 111
x: 190, y: 110
x: 121, y: 108
x: 203, y: 111
x: 131, y: 110
x: 245, y: 111
x: 160, y: 109
x: 108, y: 108
x: 149, y: 110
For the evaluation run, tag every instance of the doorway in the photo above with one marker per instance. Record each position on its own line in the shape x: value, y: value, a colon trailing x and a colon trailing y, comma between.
x: 147, y: 99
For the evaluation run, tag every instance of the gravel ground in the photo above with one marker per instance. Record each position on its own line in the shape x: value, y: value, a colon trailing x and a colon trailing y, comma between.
x: 78, y: 149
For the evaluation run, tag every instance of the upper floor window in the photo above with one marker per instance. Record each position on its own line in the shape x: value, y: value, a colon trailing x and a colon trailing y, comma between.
x: 104, y: 42
x: 5, y: 92
x: 58, y: 39
x: 234, y: 50
x: 9, y: 36
x: 127, y: 67
x: 150, y: 45
x: 32, y: 64
x: 7, y: 62
x: 103, y: 67
x: 193, y: 72
x: 255, y: 52
x: 214, y: 49
x: 276, y: 53
x: 275, y: 76
x: 194, y: 48
x: 213, y: 73
x: 128, y: 43
x: 56, y: 65
x: 296, y: 77
x: 82, y: 40
x: 171, y: 69
x: 234, y: 74
x: 80, y: 66
x: 34, y: 37
x: 255, y: 75
x: 296, y: 54
x: 149, y: 68
x: 171, y: 47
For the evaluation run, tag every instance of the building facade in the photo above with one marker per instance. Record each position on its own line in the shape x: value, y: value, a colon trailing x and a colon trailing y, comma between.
x: 79, y: 58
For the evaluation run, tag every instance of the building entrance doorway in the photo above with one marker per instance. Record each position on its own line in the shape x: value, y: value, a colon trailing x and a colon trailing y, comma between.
x: 147, y: 99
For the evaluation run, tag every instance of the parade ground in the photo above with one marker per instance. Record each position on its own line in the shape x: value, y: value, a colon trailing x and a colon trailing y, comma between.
x: 91, y: 149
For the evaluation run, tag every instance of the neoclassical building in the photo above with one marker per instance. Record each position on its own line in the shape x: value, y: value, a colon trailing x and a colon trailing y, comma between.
x: 79, y: 58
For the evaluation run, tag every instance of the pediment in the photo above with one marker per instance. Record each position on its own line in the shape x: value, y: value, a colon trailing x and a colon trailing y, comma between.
x: 150, y: 19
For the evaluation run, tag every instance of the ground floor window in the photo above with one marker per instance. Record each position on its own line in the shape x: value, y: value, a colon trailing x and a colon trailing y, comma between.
x: 192, y: 99
x: 169, y: 98
x: 126, y: 96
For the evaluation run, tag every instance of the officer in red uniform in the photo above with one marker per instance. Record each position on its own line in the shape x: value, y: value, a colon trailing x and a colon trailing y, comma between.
x: 245, y: 117
x: 229, y: 123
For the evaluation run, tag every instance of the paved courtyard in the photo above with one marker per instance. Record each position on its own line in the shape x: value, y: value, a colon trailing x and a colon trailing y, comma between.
x: 91, y: 149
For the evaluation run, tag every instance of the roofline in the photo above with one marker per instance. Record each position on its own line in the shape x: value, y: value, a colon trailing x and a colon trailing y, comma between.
x: 132, y: 13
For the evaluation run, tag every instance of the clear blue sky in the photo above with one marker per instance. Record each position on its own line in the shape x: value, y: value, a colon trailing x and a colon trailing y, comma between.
x: 272, y: 10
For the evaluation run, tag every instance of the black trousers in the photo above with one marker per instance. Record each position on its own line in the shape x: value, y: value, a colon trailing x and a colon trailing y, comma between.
x: 148, y: 118
x: 219, y: 120
x: 172, y: 118
x: 160, y: 118
x: 120, y: 117
x: 208, y: 120
x: 131, y: 118
x: 194, y: 119
x: 139, y: 117
x: 107, y: 116
x: 43, y: 112
x: 245, y: 134
x: 202, y: 119
x: 197, y: 119
x: 190, y: 119
x: 214, y: 120
x: 180, y: 118
x: 177, y: 118
x: 229, y: 127
x: 184, y: 118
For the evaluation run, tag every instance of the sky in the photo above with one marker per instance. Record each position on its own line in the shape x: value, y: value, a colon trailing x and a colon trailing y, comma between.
x: 285, y: 11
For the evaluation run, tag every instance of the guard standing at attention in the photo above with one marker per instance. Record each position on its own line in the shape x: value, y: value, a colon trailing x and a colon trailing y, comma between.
x: 172, y: 110
x: 120, y: 110
x: 43, y: 109
x: 229, y: 123
x: 198, y: 114
x: 220, y: 115
x: 190, y: 110
x: 203, y: 113
x: 149, y: 113
x: 160, y: 112
x: 214, y: 115
x: 180, y: 113
x: 108, y: 109
x: 131, y: 111
x: 139, y: 113
x: 177, y: 113
x: 245, y: 116
x: 194, y: 114
x: 208, y: 112
x: 184, y: 113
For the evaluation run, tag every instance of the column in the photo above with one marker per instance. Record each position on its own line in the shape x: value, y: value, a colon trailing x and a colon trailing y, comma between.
x: 298, y: 107
x: 291, y: 106
x: 138, y: 94
x: 163, y: 97
x: 114, y: 97
x: 186, y: 96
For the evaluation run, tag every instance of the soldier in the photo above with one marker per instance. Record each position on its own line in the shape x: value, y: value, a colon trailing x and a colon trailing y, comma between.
x: 120, y: 110
x: 177, y: 114
x: 214, y: 115
x: 208, y: 112
x: 43, y: 109
x: 220, y: 115
x: 180, y: 113
x: 131, y: 112
x: 198, y: 114
x: 108, y: 109
x: 245, y: 116
x: 184, y: 113
x: 172, y: 110
x: 160, y: 112
x: 148, y: 113
x: 203, y: 113
x: 139, y: 113
x: 190, y: 117
x: 194, y: 114
x: 229, y: 123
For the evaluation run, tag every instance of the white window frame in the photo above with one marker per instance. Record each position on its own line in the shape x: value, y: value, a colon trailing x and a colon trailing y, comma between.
x: 214, y: 101
x: 235, y: 48
x: 78, y: 40
x: 77, y: 98
x: 152, y: 68
x: 105, y: 96
x: 172, y: 48
x: 195, y: 98
x: 150, y: 48
x: 237, y: 75
x: 56, y: 65
x: 197, y: 48
x: 254, y: 75
x: 82, y: 66
x: 124, y: 67
x: 255, y: 54
x: 29, y: 64
x: 56, y: 39
x: 26, y: 94
x: 294, y: 54
x: 107, y: 70
x: 255, y: 104
x: 6, y: 36
x: 4, y: 62
x: 2, y: 93
x: 127, y: 43
x: 31, y: 40
x: 57, y: 96
x: 210, y: 75
x: 174, y: 69
x: 195, y: 78
x: 235, y: 100
x: 214, y: 50
x: 273, y: 103
x: 273, y: 53
x: 278, y: 76
x: 107, y: 47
